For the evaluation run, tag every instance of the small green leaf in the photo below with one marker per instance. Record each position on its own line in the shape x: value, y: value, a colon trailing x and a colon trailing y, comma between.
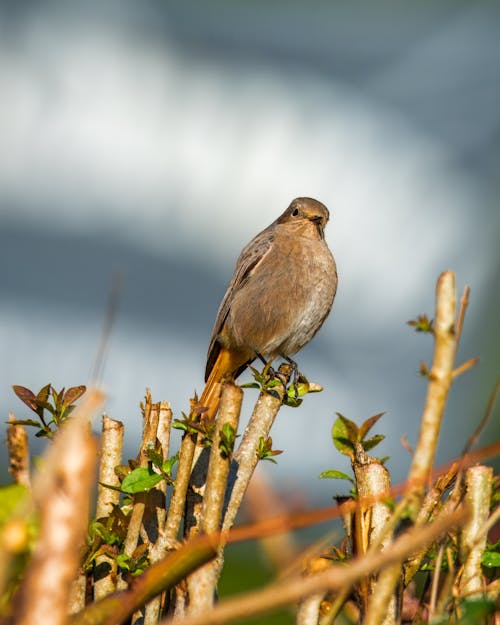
x: 293, y: 402
x: 250, y: 385
x: 491, y: 559
x: 155, y: 457
x: 370, y: 443
x: 31, y: 422
x: 341, y: 435
x: 422, y: 324
x: 169, y: 464
x: 141, y: 480
x: 302, y: 388
x: 347, y: 428
x: 336, y: 475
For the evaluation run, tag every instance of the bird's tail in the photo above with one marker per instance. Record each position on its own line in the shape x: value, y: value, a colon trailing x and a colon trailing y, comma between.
x: 225, y: 366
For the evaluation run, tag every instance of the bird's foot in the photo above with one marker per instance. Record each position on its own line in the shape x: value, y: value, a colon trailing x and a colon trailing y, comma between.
x: 294, y: 374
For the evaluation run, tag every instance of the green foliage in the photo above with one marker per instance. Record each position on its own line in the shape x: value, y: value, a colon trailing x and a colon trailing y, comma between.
x: 268, y: 380
x: 334, y: 474
x: 12, y: 497
x: 346, y: 434
x: 227, y: 439
x: 265, y: 449
x: 136, y: 563
x: 422, y: 324
x: 491, y: 556
x: 475, y: 612
x: 141, y: 480
x: 204, y: 425
x: 50, y: 406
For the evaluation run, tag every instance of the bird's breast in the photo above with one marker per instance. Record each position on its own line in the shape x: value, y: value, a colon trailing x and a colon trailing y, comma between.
x: 286, y: 298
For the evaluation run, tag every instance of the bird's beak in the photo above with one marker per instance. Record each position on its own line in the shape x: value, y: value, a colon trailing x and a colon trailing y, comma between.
x: 317, y: 219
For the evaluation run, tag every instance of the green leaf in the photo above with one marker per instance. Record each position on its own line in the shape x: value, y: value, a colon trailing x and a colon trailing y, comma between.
x: 180, y: 425
x: 293, y: 402
x: 341, y: 433
x: 250, y: 385
x: 476, y: 611
x: 302, y: 388
x: 11, y: 497
x: 227, y: 439
x: 370, y: 443
x: 169, y: 464
x: 346, y: 428
x: 31, y: 422
x: 155, y: 457
x: 336, y: 475
x: 140, y: 480
x: 491, y: 559
x: 422, y: 324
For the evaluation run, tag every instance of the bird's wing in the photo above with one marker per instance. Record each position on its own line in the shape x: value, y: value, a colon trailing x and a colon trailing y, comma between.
x: 249, y: 258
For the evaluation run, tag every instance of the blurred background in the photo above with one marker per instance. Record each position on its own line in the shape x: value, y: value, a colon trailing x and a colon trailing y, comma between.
x: 155, y: 139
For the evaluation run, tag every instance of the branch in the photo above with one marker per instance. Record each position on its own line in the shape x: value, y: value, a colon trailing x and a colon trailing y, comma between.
x: 440, y: 378
x: 202, y: 584
x: 478, y: 489
x: 61, y: 490
x: 19, y: 456
x: 111, y: 453
x: 336, y: 577
x: 246, y: 459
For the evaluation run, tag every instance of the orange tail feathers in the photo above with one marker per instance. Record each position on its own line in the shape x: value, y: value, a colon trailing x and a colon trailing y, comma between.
x: 224, y: 367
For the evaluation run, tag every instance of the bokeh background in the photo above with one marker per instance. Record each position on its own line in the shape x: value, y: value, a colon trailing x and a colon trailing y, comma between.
x: 154, y: 139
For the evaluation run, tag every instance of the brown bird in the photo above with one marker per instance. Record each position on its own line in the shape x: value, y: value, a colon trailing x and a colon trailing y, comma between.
x: 282, y: 290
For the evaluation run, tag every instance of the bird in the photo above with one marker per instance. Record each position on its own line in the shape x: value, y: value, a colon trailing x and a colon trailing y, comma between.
x: 281, y: 292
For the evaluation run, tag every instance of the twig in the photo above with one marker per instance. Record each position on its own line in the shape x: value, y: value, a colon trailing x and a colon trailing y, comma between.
x: 372, y: 481
x: 478, y: 483
x: 435, y: 582
x: 464, y: 303
x: 288, y: 591
x: 440, y: 378
x: 468, y: 364
x: 160, y: 548
x: 105, y: 572
x: 19, y: 455
x: 429, y: 505
x: 116, y: 608
x: 245, y: 457
x: 111, y: 310
x: 202, y: 584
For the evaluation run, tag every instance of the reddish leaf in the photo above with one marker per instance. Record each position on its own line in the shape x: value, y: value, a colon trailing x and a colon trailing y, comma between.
x: 26, y: 396
x: 72, y: 394
x: 43, y: 405
x: 43, y: 393
x: 368, y: 424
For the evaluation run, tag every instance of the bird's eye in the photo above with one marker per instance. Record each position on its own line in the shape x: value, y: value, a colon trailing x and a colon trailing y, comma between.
x: 295, y: 212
